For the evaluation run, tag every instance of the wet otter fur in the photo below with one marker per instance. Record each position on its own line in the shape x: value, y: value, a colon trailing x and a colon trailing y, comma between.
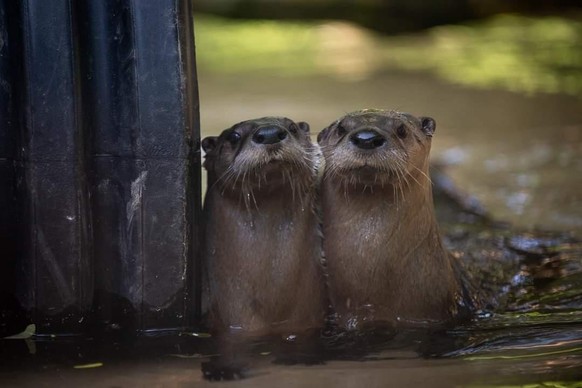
x: 385, y: 258
x: 262, y: 244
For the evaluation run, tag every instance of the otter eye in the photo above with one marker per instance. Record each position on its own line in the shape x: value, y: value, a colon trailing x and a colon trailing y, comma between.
x: 233, y: 137
x: 341, y: 130
x: 293, y: 128
x: 401, y: 131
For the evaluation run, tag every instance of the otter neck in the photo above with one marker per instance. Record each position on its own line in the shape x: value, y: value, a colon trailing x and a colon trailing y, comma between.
x: 392, y: 209
x: 392, y: 241
x: 386, y: 252
x: 284, y: 214
x: 261, y: 258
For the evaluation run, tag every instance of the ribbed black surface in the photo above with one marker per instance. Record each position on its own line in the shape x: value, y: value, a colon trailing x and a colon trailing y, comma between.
x: 99, y: 165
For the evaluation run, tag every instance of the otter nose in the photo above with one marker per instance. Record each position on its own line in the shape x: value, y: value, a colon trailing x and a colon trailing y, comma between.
x: 269, y: 135
x: 367, y: 139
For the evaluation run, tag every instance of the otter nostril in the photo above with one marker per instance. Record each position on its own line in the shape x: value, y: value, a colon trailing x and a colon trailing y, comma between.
x: 367, y: 139
x: 269, y: 135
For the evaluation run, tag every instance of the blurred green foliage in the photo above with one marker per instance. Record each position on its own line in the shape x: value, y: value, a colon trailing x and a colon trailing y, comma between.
x: 517, y: 53
x: 241, y: 46
x: 511, y: 52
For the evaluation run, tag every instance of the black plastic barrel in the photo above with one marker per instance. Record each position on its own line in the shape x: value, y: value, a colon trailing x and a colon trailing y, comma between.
x: 99, y: 165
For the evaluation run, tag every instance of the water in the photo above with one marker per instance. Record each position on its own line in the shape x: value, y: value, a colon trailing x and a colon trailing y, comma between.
x: 519, y: 155
x: 536, y: 338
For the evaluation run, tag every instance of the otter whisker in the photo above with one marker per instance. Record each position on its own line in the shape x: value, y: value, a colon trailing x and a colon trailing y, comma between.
x: 400, y: 190
x: 423, y: 174
x: 232, y: 177
x: 399, y: 182
x: 403, y: 173
x: 254, y: 199
x: 221, y: 178
x: 395, y: 196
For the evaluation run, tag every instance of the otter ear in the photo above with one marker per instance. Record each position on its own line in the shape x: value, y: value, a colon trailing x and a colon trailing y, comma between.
x: 209, y: 143
x: 303, y: 126
x: 428, y: 125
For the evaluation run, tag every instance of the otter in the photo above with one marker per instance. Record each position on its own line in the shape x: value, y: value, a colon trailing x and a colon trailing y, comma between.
x: 262, y: 241
x: 384, y: 255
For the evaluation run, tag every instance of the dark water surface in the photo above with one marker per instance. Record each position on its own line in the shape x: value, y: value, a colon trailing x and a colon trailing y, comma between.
x: 519, y: 155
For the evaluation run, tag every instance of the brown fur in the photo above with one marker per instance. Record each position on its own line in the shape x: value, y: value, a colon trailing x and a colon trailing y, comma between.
x: 385, y: 258
x: 262, y: 246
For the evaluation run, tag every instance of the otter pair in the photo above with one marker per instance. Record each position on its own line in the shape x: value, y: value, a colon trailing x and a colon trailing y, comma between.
x: 262, y: 247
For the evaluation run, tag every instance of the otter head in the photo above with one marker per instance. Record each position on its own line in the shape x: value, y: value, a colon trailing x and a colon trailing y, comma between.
x: 261, y: 154
x: 377, y: 148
